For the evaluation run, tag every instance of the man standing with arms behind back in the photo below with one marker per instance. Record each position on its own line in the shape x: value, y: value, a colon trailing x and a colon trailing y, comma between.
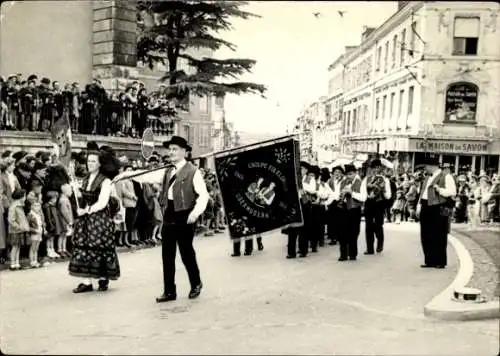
x: 435, y: 207
x: 184, y: 198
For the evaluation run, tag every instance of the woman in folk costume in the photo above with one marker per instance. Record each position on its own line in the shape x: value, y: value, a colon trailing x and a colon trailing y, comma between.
x: 94, y: 254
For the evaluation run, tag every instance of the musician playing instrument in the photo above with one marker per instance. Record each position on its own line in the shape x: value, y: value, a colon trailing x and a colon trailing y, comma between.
x: 322, y: 194
x: 378, y: 188
x: 335, y: 210
x: 353, y: 194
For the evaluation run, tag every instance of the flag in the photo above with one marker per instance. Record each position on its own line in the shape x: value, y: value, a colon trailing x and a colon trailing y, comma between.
x: 260, y: 187
x: 62, y: 140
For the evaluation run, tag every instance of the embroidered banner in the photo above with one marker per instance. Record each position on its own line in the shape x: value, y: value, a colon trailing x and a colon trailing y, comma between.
x: 259, y: 186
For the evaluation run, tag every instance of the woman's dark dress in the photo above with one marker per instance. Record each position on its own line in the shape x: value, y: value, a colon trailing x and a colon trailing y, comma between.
x: 94, y: 254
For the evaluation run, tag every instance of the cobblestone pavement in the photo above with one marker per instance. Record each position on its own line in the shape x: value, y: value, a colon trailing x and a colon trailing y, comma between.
x: 263, y: 304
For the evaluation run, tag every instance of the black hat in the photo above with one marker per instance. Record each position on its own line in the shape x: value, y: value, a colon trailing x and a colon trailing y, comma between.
x: 32, y: 77
x: 38, y: 154
x: 110, y: 164
x: 314, y: 170
x: 178, y: 141
x: 18, y: 193
x: 431, y: 160
x: 19, y: 155
x: 305, y: 165
x: 339, y: 167
x: 45, y: 81
x: 6, y: 154
x: 350, y: 168
x: 376, y: 163
x: 55, y: 178
x: 92, y: 146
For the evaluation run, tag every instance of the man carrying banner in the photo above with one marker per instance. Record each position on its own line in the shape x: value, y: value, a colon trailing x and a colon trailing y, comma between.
x: 353, y: 195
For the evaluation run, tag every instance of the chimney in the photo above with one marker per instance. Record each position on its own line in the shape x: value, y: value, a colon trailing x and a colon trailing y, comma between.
x: 366, y: 32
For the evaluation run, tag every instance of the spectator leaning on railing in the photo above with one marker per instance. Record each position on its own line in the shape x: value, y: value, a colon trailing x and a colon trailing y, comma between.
x: 34, y: 105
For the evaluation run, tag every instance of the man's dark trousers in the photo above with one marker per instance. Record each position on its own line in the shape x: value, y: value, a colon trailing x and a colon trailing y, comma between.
x: 175, y: 232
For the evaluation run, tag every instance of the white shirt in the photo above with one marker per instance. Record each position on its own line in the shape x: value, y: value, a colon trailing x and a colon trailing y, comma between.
x: 326, y: 194
x: 104, y: 194
x: 336, y: 188
x: 449, y: 190
x: 309, y: 187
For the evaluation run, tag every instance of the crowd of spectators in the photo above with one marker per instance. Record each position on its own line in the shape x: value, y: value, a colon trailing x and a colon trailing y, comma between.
x: 34, y: 105
x: 38, y: 212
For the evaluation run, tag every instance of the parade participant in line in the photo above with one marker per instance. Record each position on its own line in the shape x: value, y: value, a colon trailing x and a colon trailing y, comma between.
x: 300, y: 233
x: 353, y: 194
x: 435, y: 207
x: 316, y: 219
x: 335, y: 210
x: 94, y: 254
x: 184, y: 198
x: 378, y: 190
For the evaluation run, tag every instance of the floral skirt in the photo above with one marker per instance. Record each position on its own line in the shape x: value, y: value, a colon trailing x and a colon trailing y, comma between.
x: 94, y: 253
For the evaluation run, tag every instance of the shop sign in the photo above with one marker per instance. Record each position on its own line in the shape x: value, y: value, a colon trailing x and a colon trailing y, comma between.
x: 364, y: 146
x: 445, y: 146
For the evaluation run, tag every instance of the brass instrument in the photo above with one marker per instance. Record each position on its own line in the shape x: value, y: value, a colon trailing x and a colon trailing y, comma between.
x: 375, y: 187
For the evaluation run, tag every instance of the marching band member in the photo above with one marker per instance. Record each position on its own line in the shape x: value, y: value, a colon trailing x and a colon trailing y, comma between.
x: 316, y: 228
x: 300, y: 233
x: 353, y: 195
x: 378, y: 190
x: 335, y: 209
x: 435, y: 207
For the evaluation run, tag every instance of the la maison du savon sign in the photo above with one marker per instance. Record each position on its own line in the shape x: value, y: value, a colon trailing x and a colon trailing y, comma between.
x: 450, y: 146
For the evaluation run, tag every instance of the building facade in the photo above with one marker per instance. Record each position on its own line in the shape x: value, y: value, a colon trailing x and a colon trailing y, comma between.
x: 73, y: 41
x: 425, y: 81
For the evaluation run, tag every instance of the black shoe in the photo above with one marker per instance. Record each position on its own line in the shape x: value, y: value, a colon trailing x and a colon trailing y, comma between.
x: 195, y: 292
x: 236, y: 254
x: 290, y: 256
x: 82, y: 288
x: 314, y: 250
x: 247, y: 253
x: 260, y: 246
x: 303, y: 255
x: 440, y: 266
x: 166, y: 297
x: 352, y: 258
x: 103, y: 285
x: 427, y: 266
x: 342, y: 259
x: 369, y: 253
x: 380, y: 249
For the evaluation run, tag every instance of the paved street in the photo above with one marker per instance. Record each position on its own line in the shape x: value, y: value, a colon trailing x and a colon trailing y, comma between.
x: 261, y: 304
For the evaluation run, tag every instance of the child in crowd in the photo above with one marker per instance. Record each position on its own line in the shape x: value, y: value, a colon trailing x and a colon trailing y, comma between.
x: 157, y: 215
x: 36, y: 223
x: 18, y: 227
x: 66, y: 214
x: 53, y: 223
x: 398, y: 208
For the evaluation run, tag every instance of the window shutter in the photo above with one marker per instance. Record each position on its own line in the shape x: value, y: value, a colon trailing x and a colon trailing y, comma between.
x: 467, y: 27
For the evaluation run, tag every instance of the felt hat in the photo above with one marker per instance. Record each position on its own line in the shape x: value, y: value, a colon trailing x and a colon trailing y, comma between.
x: 23, y: 166
x: 92, y: 146
x: 376, y: 163
x: 6, y: 154
x: 177, y: 141
x: 45, y: 81
x: 305, y: 165
x: 32, y: 77
x: 350, y: 168
x: 19, y: 155
x: 314, y: 170
x: 338, y: 167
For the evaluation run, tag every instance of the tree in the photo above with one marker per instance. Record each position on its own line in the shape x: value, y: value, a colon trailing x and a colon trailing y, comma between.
x: 169, y: 29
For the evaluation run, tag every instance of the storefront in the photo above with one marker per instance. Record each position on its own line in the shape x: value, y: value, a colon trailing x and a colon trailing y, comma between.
x: 462, y: 155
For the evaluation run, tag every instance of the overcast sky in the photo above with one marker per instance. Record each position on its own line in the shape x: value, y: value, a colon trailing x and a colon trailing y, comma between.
x: 293, y: 49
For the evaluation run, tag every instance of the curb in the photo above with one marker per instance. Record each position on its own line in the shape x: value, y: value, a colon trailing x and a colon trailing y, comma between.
x: 443, y: 307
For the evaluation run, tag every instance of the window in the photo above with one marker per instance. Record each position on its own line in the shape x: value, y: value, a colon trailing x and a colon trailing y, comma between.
x: 461, y: 103
x: 403, y: 47
x: 378, y: 59
x: 354, y: 121
x: 394, y: 45
x: 203, y: 103
x: 377, y: 109
x: 348, y: 128
x: 400, y: 107
x: 384, y: 106
x: 410, y: 100
x: 386, y: 56
x: 187, y: 133
x: 391, y: 108
x: 465, y: 36
x: 413, y: 36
